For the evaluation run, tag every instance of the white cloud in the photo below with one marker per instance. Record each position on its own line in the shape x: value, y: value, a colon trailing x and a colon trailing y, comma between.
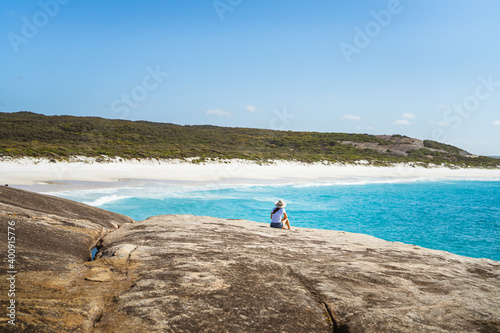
x: 402, y: 122
x: 219, y: 112
x: 496, y: 123
x: 251, y: 108
x: 409, y: 116
x: 405, y: 119
x: 351, y: 117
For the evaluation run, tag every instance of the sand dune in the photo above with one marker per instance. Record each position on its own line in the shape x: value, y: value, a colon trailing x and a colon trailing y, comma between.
x: 30, y: 171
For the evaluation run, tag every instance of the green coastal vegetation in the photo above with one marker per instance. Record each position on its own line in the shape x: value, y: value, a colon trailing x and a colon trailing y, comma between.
x: 61, y: 137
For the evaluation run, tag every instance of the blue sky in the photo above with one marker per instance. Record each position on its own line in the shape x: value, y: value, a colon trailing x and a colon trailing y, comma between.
x: 423, y: 68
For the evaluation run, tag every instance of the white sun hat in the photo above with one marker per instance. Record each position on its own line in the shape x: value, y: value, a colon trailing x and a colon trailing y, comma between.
x: 280, y: 204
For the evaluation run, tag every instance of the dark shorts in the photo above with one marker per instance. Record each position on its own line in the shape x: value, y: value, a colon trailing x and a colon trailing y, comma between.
x: 277, y: 225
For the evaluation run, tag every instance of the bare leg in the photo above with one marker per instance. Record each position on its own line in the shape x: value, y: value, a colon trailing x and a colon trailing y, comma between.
x: 287, y: 224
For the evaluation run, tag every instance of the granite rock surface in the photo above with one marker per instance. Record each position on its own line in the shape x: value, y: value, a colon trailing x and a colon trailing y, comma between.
x: 181, y: 273
x: 53, y: 240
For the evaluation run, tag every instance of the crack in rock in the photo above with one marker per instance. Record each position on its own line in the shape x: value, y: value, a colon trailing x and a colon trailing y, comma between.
x: 338, y: 327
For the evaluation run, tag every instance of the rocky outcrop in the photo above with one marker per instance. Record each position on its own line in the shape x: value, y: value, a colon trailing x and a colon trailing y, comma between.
x: 53, y: 239
x: 203, y: 274
x: 398, y: 145
x: 200, y: 274
x: 53, y: 232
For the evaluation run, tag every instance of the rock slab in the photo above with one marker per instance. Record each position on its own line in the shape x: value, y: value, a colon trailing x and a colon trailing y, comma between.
x: 202, y: 274
x: 53, y: 239
x: 181, y: 273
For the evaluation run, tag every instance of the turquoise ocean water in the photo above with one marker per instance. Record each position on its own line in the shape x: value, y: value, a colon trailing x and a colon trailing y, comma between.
x: 458, y: 216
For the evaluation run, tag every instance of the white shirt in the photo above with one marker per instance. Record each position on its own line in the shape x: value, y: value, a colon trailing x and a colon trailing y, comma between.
x: 276, y: 217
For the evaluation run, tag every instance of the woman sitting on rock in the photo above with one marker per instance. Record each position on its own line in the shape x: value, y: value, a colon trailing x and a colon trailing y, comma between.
x: 278, y: 216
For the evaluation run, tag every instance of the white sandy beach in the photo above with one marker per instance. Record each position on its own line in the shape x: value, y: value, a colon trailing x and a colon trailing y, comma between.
x: 31, y: 171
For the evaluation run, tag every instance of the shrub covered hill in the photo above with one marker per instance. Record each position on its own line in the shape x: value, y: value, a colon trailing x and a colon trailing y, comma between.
x: 61, y: 137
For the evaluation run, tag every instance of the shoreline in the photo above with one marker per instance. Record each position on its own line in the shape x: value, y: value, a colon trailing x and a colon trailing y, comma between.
x: 43, y: 172
x: 103, y: 183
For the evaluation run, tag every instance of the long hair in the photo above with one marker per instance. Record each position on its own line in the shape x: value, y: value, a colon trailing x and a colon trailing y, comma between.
x: 275, y: 210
